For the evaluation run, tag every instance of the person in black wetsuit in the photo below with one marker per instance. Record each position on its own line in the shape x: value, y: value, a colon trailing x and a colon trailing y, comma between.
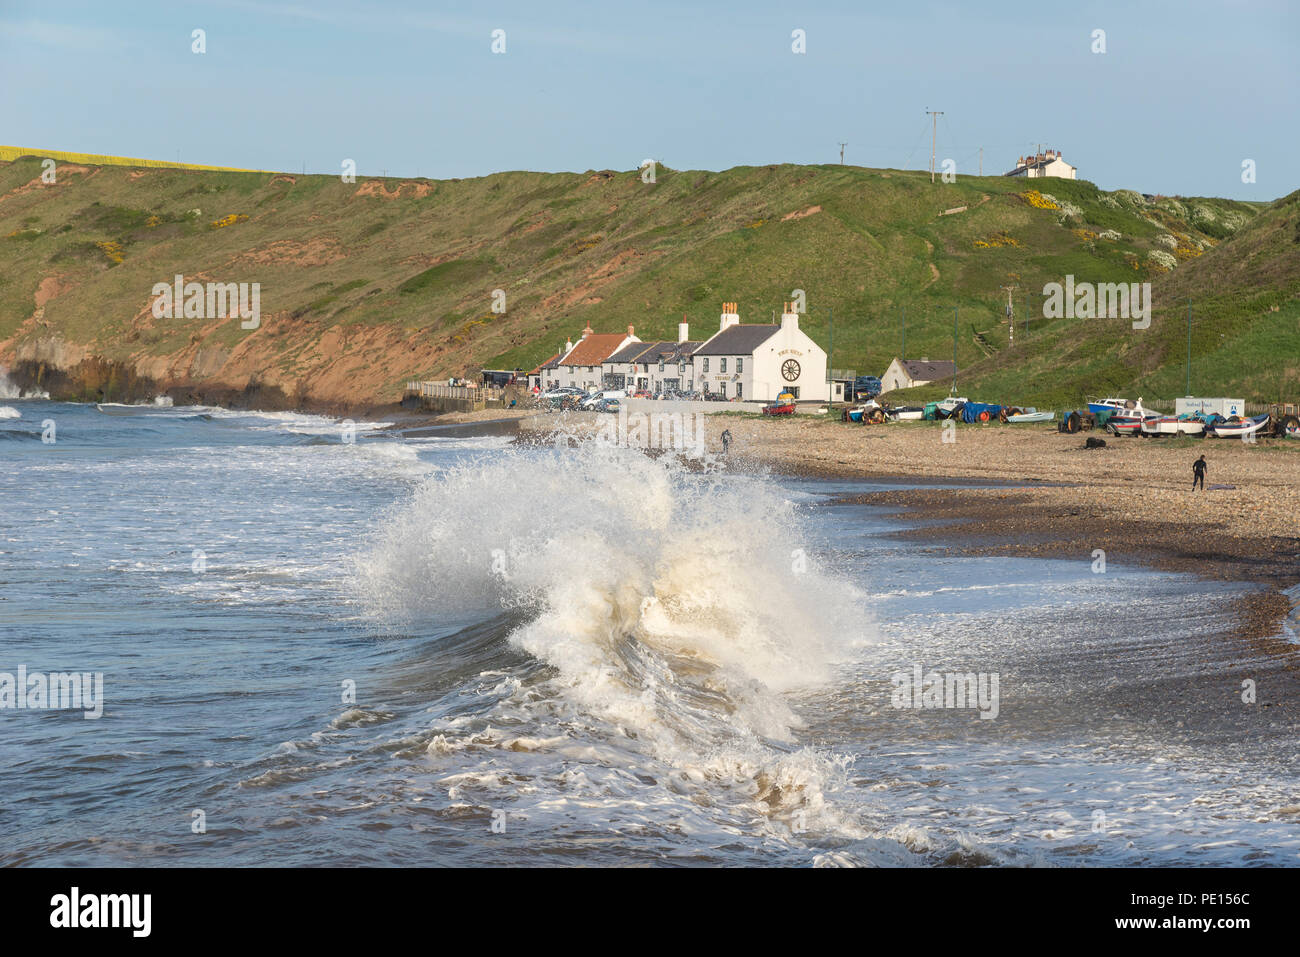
x: 1198, y: 473
x: 726, y: 440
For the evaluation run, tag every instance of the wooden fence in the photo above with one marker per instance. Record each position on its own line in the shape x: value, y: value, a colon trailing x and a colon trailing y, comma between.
x: 452, y: 398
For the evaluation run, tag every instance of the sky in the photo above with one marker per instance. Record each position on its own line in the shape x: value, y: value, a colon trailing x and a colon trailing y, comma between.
x: 1183, y: 95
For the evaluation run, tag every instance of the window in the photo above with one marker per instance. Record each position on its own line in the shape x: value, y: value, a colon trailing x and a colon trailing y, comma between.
x: 706, y: 365
x: 740, y: 366
x: 722, y: 386
x: 740, y: 389
x: 661, y: 365
x: 722, y: 364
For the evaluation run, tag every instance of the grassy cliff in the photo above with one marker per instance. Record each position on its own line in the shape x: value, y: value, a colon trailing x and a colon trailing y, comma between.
x: 369, y: 283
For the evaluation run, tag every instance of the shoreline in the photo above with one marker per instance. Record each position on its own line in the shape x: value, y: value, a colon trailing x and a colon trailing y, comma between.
x: 1016, y: 491
x: 1029, y: 491
x: 1130, y: 505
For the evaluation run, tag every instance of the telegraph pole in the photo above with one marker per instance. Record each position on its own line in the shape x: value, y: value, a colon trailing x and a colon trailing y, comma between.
x: 904, y: 352
x: 1189, y: 348
x: 934, y: 137
x: 830, y: 378
x: 981, y: 161
x: 954, y: 350
x: 1011, y: 318
x: 842, y: 145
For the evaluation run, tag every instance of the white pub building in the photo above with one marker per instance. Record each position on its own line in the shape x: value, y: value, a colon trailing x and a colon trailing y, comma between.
x: 753, y: 361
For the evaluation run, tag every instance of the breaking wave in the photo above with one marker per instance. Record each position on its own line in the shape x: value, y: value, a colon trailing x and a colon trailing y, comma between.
x: 676, y: 609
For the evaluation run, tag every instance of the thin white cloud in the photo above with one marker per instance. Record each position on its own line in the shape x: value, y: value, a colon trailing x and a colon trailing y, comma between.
x: 59, y: 35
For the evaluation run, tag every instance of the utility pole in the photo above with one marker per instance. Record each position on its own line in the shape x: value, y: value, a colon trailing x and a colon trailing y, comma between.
x: 1189, y: 347
x: 842, y: 145
x: 934, y: 137
x: 981, y: 161
x: 830, y: 378
x: 903, y: 356
x: 1011, y: 318
x: 954, y: 350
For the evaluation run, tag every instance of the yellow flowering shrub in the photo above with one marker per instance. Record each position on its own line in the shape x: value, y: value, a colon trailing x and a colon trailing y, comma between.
x: 1035, y: 199
x: 113, y: 250
x: 229, y: 220
x: 996, y: 240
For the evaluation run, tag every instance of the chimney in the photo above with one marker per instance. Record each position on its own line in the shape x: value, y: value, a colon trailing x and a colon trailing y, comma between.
x: 789, y: 318
x: 568, y: 346
x: 587, y: 331
x: 683, y: 330
x: 730, y: 315
x: 631, y: 333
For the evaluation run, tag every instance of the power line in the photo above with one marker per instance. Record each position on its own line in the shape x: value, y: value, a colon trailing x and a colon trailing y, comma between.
x: 934, y: 137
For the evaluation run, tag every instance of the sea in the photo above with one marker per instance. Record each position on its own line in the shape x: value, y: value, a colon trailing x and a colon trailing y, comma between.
x: 325, y: 642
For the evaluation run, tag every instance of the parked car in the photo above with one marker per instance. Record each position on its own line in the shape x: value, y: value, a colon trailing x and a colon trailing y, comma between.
x: 561, y: 392
x: 866, y: 387
x: 593, y: 399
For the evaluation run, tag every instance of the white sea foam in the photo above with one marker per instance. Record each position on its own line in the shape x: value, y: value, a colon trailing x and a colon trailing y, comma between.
x: 674, y: 607
x: 9, y: 412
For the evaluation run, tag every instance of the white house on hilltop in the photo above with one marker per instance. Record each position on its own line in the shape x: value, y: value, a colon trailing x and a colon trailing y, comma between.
x: 1049, y: 163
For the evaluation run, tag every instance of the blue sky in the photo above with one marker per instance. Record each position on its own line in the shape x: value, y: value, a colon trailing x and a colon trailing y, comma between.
x: 1185, y: 92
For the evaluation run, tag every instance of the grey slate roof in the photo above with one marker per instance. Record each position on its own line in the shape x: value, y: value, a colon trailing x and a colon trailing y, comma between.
x: 920, y: 371
x: 738, y: 340
x: 670, y: 351
x: 629, y: 352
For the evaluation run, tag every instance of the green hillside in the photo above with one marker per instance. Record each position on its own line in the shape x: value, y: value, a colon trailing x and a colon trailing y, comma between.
x: 367, y: 284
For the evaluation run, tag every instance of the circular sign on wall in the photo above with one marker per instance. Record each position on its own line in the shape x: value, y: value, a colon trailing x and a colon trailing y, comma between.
x: 790, y: 370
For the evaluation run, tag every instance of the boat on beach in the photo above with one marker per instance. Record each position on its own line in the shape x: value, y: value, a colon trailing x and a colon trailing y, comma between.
x: 1231, y: 428
x: 1112, y: 405
x: 1021, y: 418
x: 1172, y: 425
x: 1129, y: 422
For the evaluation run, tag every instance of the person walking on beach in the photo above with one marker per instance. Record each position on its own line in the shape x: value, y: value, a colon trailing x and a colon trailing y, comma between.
x: 726, y: 440
x: 1198, y: 473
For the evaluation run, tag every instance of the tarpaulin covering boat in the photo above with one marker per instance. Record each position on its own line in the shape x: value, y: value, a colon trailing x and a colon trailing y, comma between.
x: 980, y: 412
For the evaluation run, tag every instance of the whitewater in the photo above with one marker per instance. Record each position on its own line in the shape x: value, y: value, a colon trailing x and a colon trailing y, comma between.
x: 326, y: 642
